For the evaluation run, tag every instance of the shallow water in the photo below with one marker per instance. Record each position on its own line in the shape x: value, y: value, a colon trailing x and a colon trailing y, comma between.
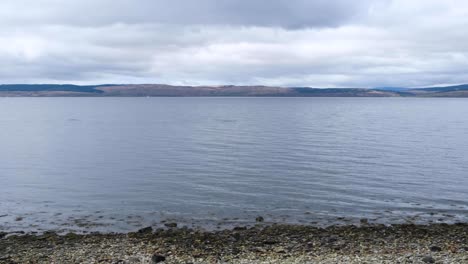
x: 117, y: 164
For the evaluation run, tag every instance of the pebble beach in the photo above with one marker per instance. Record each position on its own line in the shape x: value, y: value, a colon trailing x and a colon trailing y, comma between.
x: 405, y: 243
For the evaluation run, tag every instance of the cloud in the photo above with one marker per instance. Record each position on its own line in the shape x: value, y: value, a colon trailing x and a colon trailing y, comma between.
x: 278, y: 13
x: 288, y: 43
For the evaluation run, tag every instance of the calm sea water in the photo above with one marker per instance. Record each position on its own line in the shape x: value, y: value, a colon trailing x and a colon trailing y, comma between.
x: 118, y: 164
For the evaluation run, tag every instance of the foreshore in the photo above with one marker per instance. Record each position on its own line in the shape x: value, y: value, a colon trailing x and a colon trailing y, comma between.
x: 408, y: 243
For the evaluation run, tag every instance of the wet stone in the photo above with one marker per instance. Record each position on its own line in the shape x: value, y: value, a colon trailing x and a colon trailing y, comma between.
x: 157, y: 259
x: 435, y: 249
x: 332, y: 239
x: 145, y: 230
x: 270, y: 242
x: 171, y: 225
x: 428, y: 259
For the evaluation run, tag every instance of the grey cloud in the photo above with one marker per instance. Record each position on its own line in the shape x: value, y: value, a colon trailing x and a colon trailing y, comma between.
x: 280, y: 13
x: 288, y: 43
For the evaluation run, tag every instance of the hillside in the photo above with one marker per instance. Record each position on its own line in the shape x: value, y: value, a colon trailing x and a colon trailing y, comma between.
x: 442, y: 91
x: 161, y: 90
x: 142, y: 90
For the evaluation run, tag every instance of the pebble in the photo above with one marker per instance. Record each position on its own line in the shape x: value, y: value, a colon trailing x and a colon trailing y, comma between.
x: 428, y: 259
x: 145, y: 230
x: 280, y: 250
x: 157, y: 259
x: 171, y: 225
x: 435, y: 249
x: 262, y: 244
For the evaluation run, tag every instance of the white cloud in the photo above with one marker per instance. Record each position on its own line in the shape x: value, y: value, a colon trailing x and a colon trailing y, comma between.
x: 289, y: 43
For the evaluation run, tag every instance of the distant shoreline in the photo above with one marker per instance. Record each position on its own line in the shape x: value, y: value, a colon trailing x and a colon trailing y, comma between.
x: 404, y: 243
x: 162, y: 90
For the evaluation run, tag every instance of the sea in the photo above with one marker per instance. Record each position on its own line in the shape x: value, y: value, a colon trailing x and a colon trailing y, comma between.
x: 120, y: 164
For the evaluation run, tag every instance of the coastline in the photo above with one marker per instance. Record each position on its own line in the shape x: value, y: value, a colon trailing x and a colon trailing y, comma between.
x: 403, y: 243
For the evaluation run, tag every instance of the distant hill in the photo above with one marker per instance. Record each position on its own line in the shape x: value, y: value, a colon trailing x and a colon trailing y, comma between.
x: 393, y: 89
x: 441, y: 91
x: 135, y: 90
x: 230, y: 90
x: 463, y: 87
x: 49, y: 87
x: 342, y: 92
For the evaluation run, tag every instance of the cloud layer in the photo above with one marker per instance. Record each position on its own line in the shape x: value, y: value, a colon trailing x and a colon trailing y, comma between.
x: 289, y: 43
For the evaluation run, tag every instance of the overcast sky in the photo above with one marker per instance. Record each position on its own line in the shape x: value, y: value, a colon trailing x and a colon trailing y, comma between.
x: 318, y: 43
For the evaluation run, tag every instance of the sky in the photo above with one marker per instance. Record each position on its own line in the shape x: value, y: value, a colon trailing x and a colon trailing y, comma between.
x: 315, y: 43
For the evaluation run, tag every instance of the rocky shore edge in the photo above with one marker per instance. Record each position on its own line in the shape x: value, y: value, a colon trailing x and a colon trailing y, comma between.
x: 403, y: 243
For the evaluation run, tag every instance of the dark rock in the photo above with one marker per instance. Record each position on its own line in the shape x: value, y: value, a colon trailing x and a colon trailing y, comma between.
x: 72, y: 236
x: 428, y: 259
x: 3, y: 234
x: 338, y: 247
x: 435, y: 249
x: 240, y: 228
x: 364, y: 221
x: 19, y: 218
x: 157, y: 259
x: 50, y: 233
x: 171, y: 225
x: 145, y: 230
x: 236, y: 236
x: 259, y: 219
x: 270, y: 242
x: 332, y: 239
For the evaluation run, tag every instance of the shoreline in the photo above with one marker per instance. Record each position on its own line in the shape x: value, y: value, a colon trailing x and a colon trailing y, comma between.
x: 278, y: 243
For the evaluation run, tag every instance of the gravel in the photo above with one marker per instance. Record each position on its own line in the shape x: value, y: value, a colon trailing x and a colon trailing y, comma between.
x: 272, y: 244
